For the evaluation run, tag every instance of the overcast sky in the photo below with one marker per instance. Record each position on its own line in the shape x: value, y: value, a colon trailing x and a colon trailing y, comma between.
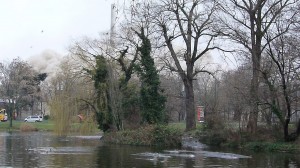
x: 29, y: 27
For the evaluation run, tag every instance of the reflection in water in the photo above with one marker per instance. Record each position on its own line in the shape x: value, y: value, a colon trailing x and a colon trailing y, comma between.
x: 45, y: 150
x: 116, y: 156
x: 62, y: 150
x: 185, y: 155
x: 38, y: 149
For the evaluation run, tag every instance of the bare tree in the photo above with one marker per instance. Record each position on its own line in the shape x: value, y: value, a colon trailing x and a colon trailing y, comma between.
x: 172, y: 87
x: 186, y: 23
x: 234, y: 94
x: 19, y: 86
x: 284, y: 54
x: 247, y: 23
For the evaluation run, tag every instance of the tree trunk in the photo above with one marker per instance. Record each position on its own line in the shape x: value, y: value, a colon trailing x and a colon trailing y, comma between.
x: 256, y: 39
x: 298, y: 128
x: 10, y: 113
x: 253, y: 117
x: 190, y: 105
x: 288, y: 108
x: 286, y: 130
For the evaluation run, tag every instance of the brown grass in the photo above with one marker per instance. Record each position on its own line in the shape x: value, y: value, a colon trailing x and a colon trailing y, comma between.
x: 26, y: 127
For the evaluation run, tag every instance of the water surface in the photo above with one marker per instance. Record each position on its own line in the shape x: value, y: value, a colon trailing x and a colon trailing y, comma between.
x: 42, y: 149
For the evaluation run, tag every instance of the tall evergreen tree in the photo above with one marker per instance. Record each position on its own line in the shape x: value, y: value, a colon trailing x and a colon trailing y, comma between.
x: 152, y: 101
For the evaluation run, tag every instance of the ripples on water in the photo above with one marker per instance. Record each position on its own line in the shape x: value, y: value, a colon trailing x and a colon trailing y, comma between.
x: 40, y: 149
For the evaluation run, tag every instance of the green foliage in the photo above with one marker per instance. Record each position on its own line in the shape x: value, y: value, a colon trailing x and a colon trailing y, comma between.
x: 103, y: 111
x: 104, y: 120
x: 100, y: 73
x: 152, y: 102
x: 130, y: 99
x: 131, y: 106
x: 163, y: 135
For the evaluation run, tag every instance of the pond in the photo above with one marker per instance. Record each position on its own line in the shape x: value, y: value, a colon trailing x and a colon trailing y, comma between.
x: 43, y: 149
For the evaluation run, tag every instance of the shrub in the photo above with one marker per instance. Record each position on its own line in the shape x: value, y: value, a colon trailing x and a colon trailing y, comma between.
x: 214, y: 123
x: 166, y: 136
x: 150, y: 135
x: 46, y: 117
x: 26, y: 127
x: 213, y: 138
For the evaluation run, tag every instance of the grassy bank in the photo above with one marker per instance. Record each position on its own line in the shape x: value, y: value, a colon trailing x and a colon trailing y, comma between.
x: 46, y: 125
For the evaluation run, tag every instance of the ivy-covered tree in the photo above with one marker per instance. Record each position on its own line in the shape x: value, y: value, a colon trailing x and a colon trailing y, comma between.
x: 102, y: 108
x: 152, y: 101
x: 98, y: 66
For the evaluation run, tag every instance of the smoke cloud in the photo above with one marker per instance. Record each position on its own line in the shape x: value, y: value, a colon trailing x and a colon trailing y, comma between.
x: 46, y: 62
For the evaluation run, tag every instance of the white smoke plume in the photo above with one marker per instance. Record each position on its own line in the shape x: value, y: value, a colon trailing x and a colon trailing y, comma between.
x: 46, y: 62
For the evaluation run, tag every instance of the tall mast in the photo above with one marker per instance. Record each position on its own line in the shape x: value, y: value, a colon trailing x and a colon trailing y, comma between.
x: 113, y: 24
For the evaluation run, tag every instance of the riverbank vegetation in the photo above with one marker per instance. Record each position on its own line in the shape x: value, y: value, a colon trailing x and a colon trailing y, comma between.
x: 231, y: 135
x: 149, y: 135
x: 224, y: 135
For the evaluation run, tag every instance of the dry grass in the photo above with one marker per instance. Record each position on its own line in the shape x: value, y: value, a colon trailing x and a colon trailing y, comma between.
x: 26, y: 127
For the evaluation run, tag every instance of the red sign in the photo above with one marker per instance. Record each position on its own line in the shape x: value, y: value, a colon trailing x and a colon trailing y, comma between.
x: 200, y: 113
x: 199, y: 109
